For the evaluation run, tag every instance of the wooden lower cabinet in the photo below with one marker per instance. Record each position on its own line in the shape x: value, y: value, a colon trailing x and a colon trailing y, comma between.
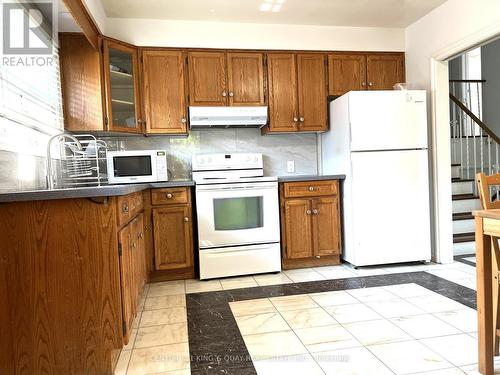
x: 133, y: 274
x: 311, y: 233
x: 172, y: 234
x: 172, y: 227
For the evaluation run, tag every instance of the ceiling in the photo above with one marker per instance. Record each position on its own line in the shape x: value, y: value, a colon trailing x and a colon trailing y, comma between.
x: 374, y: 13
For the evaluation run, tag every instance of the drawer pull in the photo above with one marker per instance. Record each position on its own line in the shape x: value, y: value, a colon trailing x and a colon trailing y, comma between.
x: 318, y: 256
x: 169, y: 195
x: 311, y: 188
x: 186, y: 219
x: 315, y: 212
x: 308, y: 212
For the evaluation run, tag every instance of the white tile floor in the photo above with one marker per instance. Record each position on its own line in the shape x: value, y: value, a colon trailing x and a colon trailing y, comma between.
x: 381, y: 333
x: 401, y: 329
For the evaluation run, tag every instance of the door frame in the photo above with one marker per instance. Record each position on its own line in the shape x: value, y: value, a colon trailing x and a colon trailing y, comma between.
x: 440, y: 140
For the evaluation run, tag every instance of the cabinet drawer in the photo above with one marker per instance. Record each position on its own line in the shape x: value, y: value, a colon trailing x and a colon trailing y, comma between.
x: 129, y: 206
x: 123, y: 209
x: 310, y: 188
x: 170, y: 196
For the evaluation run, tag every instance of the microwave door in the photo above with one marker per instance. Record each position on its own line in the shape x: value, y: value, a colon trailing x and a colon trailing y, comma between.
x: 132, y: 168
x: 231, y: 216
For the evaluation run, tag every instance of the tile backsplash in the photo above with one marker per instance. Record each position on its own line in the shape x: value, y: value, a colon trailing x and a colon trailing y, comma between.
x: 276, y: 149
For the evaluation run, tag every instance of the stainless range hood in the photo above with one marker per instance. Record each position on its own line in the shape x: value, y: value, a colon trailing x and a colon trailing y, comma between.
x: 227, y: 117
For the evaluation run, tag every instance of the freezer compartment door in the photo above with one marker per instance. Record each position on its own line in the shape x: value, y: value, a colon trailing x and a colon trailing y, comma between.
x: 390, y: 207
x: 387, y: 120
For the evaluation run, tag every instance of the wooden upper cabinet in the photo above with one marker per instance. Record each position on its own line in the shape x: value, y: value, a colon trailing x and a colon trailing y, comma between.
x: 164, y: 90
x: 312, y: 92
x: 245, y: 76
x: 326, y: 226
x: 80, y: 66
x: 283, y: 106
x: 346, y: 73
x: 123, y: 103
x: 384, y: 71
x: 298, y: 229
x: 207, y: 78
x: 173, y: 237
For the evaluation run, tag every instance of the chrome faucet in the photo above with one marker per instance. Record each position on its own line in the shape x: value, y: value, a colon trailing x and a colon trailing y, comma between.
x: 50, y: 177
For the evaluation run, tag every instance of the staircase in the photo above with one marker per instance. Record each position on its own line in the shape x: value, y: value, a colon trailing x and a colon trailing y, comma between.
x: 474, y: 149
x: 464, y: 202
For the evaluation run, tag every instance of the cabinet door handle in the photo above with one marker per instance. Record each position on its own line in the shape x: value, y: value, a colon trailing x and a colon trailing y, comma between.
x: 318, y: 256
x: 311, y: 188
x: 370, y: 84
x: 186, y: 219
x: 134, y: 245
x: 231, y: 93
x: 295, y: 119
x: 363, y: 84
x: 183, y: 120
x: 125, y: 208
x: 315, y: 212
x: 169, y: 195
x: 224, y: 94
x: 141, y: 235
x: 301, y: 119
x: 308, y: 212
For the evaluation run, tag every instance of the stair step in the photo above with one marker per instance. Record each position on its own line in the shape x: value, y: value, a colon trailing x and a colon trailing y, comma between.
x: 464, y: 237
x: 464, y: 248
x: 459, y: 197
x: 462, y: 187
x: 462, y: 216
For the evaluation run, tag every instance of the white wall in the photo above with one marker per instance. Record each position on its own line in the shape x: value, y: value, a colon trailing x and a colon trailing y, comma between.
x: 490, y: 66
x: 96, y: 10
x: 446, y: 31
x: 151, y: 32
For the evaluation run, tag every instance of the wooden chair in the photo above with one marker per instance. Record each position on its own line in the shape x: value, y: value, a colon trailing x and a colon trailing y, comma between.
x: 483, y: 186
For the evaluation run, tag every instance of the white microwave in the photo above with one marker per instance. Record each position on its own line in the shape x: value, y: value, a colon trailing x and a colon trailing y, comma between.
x: 127, y: 167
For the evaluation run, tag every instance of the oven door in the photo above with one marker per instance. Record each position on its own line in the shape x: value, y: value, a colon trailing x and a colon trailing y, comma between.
x: 237, y: 214
x: 131, y: 166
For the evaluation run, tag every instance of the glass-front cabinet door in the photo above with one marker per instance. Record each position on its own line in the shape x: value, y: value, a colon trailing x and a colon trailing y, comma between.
x: 122, y: 88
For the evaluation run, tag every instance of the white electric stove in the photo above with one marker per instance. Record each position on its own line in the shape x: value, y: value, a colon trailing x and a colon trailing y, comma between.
x: 238, y: 215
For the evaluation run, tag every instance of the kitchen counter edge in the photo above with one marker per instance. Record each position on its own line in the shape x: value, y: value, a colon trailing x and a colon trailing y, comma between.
x: 86, y: 192
x: 311, y: 178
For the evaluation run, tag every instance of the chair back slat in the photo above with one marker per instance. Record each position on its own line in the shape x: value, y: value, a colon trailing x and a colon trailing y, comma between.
x: 484, y: 184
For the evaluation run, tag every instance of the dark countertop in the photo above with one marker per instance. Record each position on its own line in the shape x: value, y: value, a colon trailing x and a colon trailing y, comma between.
x: 311, y: 177
x: 124, y: 189
x: 86, y: 192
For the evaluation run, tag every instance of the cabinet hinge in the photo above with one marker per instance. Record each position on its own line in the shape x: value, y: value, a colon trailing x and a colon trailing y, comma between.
x: 187, y: 60
x: 120, y: 249
x: 102, y: 47
x: 124, y: 327
x: 106, y: 120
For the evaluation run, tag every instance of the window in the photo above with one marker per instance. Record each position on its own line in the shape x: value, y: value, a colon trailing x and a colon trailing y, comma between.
x: 30, y: 90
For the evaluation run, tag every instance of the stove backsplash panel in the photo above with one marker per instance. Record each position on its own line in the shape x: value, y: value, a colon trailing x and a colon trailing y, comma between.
x: 276, y: 149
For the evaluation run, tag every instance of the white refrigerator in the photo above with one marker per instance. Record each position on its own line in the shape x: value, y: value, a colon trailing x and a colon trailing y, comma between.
x: 378, y: 139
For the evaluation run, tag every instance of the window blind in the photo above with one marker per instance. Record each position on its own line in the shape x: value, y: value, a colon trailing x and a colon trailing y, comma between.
x: 30, y: 91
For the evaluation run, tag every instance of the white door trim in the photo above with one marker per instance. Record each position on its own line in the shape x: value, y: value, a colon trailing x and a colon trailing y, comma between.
x: 440, y: 134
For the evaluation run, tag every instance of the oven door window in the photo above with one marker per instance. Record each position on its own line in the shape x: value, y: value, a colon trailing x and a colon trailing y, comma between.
x: 238, y: 213
x: 129, y: 166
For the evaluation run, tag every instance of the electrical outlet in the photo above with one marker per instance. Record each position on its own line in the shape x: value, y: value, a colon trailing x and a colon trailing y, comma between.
x: 290, y: 166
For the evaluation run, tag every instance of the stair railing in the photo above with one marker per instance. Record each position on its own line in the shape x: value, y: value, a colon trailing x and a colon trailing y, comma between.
x: 473, y: 144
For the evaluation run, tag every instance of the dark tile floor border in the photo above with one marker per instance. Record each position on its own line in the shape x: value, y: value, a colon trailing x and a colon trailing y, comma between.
x: 215, y: 342
x: 461, y: 259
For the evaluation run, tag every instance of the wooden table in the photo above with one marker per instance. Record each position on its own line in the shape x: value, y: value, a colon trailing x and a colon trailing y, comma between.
x: 487, y: 227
